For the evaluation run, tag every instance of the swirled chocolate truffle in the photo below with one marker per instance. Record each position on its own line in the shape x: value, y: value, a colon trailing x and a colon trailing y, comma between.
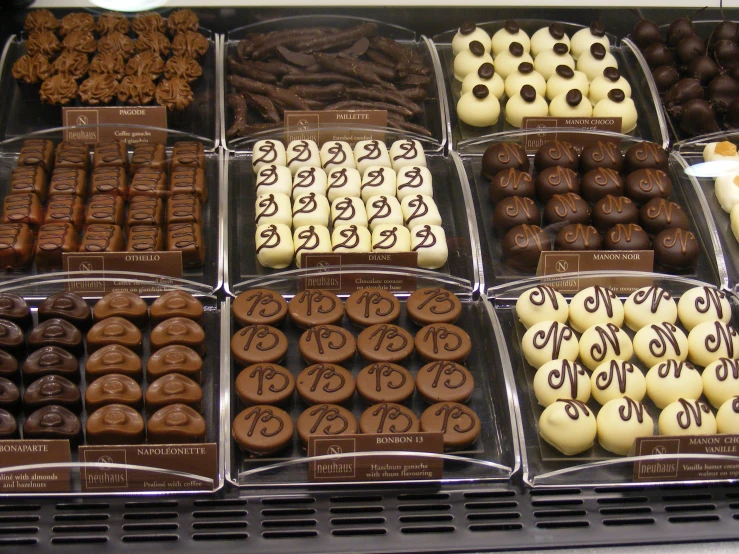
x: 114, y: 330
x: 182, y: 67
x: 112, y: 22
x: 113, y: 389
x: 52, y: 390
x: 676, y: 249
x: 80, y: 41
x: 31, y: 69
x: 66, y: 305
x: 174, y: 94
x: 58, y: 89
x: 659, y: 214
x: 176, y: 303
x: 40, y: 20
x: 578, y: 237
x: 115, y: 424
x: 173, y: 388
x: 259, y: 306
x: 523, y: 245
x: 262, y: 430
x: 148, y: 64
x: 511, y: 182
x: 108, y: 63
x: 116, y: 43
x: 176, y: 424
x: 76, y: 21
x: 600, y: 182
x: 147, y: 22
x: 136, y: 89
x: 180, y: 21
x: 458, y: 423
x: 98, y: 89
x: 14, y: 308
x: 626, y: 237
x: 501, y: 156
x: 190, y: 43
x: 74, y: 64
x: 154, y: 42
x: 556, y: 153
x: 513, y: 211
x: 556, y: 180
x: 612, y: 210
x: 113, y: 358
x: 53, y: 422
x: 644, y: 184
x: 645, y: 155
x: 566, y: 209
x: 51, y: 360
x: 44, y: 43
x: 327, y: 420
x: 125, y: 304
x: 178, y: 330
x: 601, y: 154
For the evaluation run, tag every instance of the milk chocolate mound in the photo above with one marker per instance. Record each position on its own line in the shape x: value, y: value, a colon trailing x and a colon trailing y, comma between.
x: 136, y: 89
x: 182, y: 67
x: 115, y: 424
x: 262, y: 430
x: 190, y: 44
x: 56, y: 332
x: 44, y: 43
x: 176, y: 424
x: 443, y: 341
x: 176, y: 303
x: 112, y: 22
x: 127, y: 305
x: 58, y: 89
x: 53, y: 422
x: 147, y: 22
x: 108, y: 63
x: 51, y: 360
x: 114, y: 331
x: 31, y: 69
x: 173, y: 388
x: 52, y: 390
x: 40, y: 20
x: 66, y: 305
x: 181, y: 21
x: 175, y: 94
x: 146, y: 64
x: 113, y: 359
x: 113, y: 389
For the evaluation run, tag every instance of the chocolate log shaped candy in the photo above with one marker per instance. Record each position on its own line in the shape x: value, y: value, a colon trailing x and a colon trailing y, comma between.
x: 102, y: 238
x: 184, y: 208
x: 145, y: 210
x: 148, y: 182
x: 145, y: 238
x: 16, y: 245
x: 37, y: 152
x: 23, y: 208
x: 68, y: 180
x: 189, y: 180
x: 65, y: 208
x: 109, y: 180
x: 178, y: 330
x: 29, y: 178
x: 110, y: 154
x: 188, y: 239
x: 66, y: 305
x: 106, y: 209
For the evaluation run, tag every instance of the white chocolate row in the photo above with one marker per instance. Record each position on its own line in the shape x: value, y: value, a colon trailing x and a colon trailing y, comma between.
x: 336, y: 154
x: 277, y: 246
x: 723, y: 159
x: 341, y: 182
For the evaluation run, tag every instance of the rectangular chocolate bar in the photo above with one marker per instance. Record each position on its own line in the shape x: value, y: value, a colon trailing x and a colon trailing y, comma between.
x: 145, y: 210
x: 190, y: 180
x: 103, y: 238
x: 68, y: 180
x: 105, y: 208
x: 38, y: 152
x: 110, y: 154
x: 188, y: 239
x: 23, y: 208
x: 64, y: 208
x: 72, y: 154
x: 148, y: 182
x: 109, y: 180
x: 153, y: 156
x: 184, y: 208
x: 188, y: 153
x: 16, y: 245
x: 28, y: 178
x: 53, y: 240
x: 145, y: 238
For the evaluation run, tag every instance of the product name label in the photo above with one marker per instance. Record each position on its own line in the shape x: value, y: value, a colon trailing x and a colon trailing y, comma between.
x: 347, y: 125
x: 30, y: 452
x: 100, y: 124
x: 555, y: 128
x: 329, y: 265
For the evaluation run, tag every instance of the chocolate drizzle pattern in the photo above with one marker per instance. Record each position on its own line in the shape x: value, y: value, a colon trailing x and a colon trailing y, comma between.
x: 374, y: 299
x: 725, y: 366
x: 387, y: 371
x: 457, y: 414
x: 324, y: 303
x: 388, y: 239
x: 345, y: 211
x: 267, y: 153
x: 305, y: 178
x: 268, y: 207
x: 600, y: 294
x: 420, y: 208
x: 448, y: 370
x: 408, y: 150
x: 656, y: 294
x: 619, y: 371
x: 574, y: 407
x: 266, y: 416
x: 630, y: 410
x: 310, y: 239
x: 541, y: 293
x: 350, y: 236
x: 442, y: 338
x: 263, y: 300
x: 326, y: 377
x: 392, y: 417
x: 302, y: 152
x: 337, y: 153
x: 374, y: 178
x: 608, y: 335
x: 271, y: 238
x: 674, y: 367
x: 262, y: 336
x: 724, y: 334
x: 665, y: 337
x: 268, y: 176
x: 711, y: 297
x: 326, y: 338
x: 329, y: 415
x: 553, y: 338
x: 414, y: 178
x: 307, y: 204
x: 428, y: 239
x: 339, y: 179
x: 435, y: 299
x: 386, y: 336
x: 570, y: 373
x: 693, y: 410
x: 372, y: 151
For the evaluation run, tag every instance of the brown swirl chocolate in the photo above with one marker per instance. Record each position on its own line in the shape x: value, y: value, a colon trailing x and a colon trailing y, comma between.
x: 626, y: 237
x: 385, y: 342
x: 66, y: 305
x: 65, y: 208
x: 443, y: 341
x: 68, y: 180
x: 52, y: 390
x: 115, y: 424
x: 262, y: 430
x: 659, y: 214
x: 566, y: 209
x: 53, y: 423
x: 111, y: 23
x: 385, y: 382
x: 173, y: 388
x: 189, y: 180
x: 16, y: 245
x: 578, y: 237
x: 176, y: 424
x: 327, y: 420
x: 188, y: 239
x: 646, y: 155
x: 178, y: 330
x: 153, y: 42
x: 327, y: 344
x: 28, y: 179
x: 102, y: 238
x: 264, y: 384
x: 556, y: 153
x: 110, y: 154
x: 113, y: 359
x: 105, y: 209
x: 114, y: 330
x: 257, y: 344
x: 109, y: 180
x: 676, y: 250
x: 38, y: 152
x: 145, y: 238
x: 175, y: 359
x: 72, y: 154
x: 433, y: 305
x: 151, y: 155
x: 513, y: 211
x: 145, y: 210
x: 148, y: 182
x: 444, y: 381
x: 601, y: 182
x: 184, y: 208
x: 325, y: 384
x: 388, y: 418
x: 23, y: 208
x: 145, y: 22
x: 125, y: 304
x: 315, y: 307
x: 610, y: 211
x: 188, y: 154
x: 56, y: 332
x: 556, y: 180
x: 259, y: 306
x: 113, y: 389
x: 15, y: 309
x: 371, y: 306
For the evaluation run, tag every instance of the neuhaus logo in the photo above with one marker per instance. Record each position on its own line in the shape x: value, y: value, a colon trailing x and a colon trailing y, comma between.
x: 105, y: 477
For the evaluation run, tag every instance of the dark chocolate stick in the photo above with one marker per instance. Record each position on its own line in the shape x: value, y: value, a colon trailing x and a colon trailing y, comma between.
x: 318, y: 79
x: 358, y: 48
x: 413, y: 80
x: 415, y: 94
x: 238, y: 105
x: 264, y: 106
x: 245, y: 69
x: 327, y: 92
x: 342, y: 38
x: 380, y: 58
x: 350, y: 67
x: 274, y: 67
x: 408, y: 126
x: 385, y: 96
x: 295, y: 58
x: 393, y: 50
x: 287, y: 37
x: 315, y: 104
x: 383, y: 72
x: 272, y: 92
x: 359, y: 105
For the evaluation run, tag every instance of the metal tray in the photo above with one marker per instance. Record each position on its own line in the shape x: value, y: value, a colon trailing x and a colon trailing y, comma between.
x: 434, y: 113
x: 25, y: 113
x: 494, y: 456
x: 544, y: 466
x: 467, y: 139
x: 710, y: 266
x: 35, y: 290
x: 242, y: 270
x: 210, y: 274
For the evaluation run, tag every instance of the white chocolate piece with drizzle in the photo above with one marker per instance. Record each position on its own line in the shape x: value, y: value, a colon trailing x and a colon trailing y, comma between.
x: 348, y: 211
x: 274, y: 179
x: 390, y: 238
x: 371, y: 152
x: 407, y: 152
x: 430, y: 243
x: 337, y: 153
x: 268, y: 152
x: 274, y: 243
x: 309, y: 179
x: 302, y: 153
x: 687, y: 417
x: 273, y: 208
x: 310, y: 209
x: 311, y: 239
x: 343, y: 181
x: 378, y: 180
x: 419, y: 210
x: 351, y: 238
x: 382, y: 210
x: 414, y: 179
x: 672, y: 379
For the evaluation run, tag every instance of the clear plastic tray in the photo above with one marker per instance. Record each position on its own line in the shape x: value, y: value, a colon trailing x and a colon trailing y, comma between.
x: 544, y: 466
x: 494, y: 456
x: 467, y: 139
x: 433, y: 117
x: 242, y: 269
x: 25, y: 113
x: 710, y: 263
x: 210, y: 274
x: 35, y: 290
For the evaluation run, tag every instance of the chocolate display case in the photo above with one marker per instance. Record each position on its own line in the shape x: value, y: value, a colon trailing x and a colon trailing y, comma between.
x: 460, y: 273
x: 493, y: 457
x: 208, y: 274
x: 466, y: 138
x: 710, y: 266
x: 431, y: 122
x: 27, y: 114
x: 108, y: 459
x: 543, y: 465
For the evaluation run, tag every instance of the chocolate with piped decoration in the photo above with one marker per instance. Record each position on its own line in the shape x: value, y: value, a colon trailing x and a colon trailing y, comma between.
x: 261, y: 430
x: 189, y: 180
x: 144, y: 238
x: 626, y: 237
x: 600, y: 182
x: 68, y: 180
x: 23, y: 208
x: 371, y: 306
x: 52, y: 390
x: 188, y: 239
x: 115, y: 424
x: 114, y: 330
x: 145, y: 210
x: 110, y: 154
x: 173, y: 388
x: 113, y: 388
x: 10, y: 396
x: 385, y: 382
x: 513, y: 211
x: 613, y: 210
x: 28, y: 178
x: 458, y: 423
x: 125, y: 304
x: 644, y: 184
x: 105, y: 209
x: 566, y: 209
x: 65, y: 208
x: 16, y: 245
x: 53, y: 423
x: 258, y: 343
x: 56, y: 332
x: 556, y: 153
x: 113, y: 359
x: 444, y: 381
x: 676, y: 249
x: 556, y: 180
x: 645, y: 155
x: 443, y: 341
x: 176, y: 424
x: 259, y: 306
x: 38, y: 152
x: 51, y: 360
x: 502, y: 156
x: 178, y: 330
x: 184, y: 208
x: 72, y: 154
x: 511, y: 182
x: 388, y: 419
x: 8, y: 426
x: 601, y: 154
x: 327, y: 344
x: 385, y: 342
x: 315, y: 307
x: 102, y: 238
x: 659, y: 214
x: 328, y: 420
x: 148, y: 181
x: 150, y: 155
x: 16, y: 309
x: 522, y: 246
x: 264, y: 384
x: 578, y: 237
x: 325, y: 383
x: 66, y: 305
x: 433, y: 305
